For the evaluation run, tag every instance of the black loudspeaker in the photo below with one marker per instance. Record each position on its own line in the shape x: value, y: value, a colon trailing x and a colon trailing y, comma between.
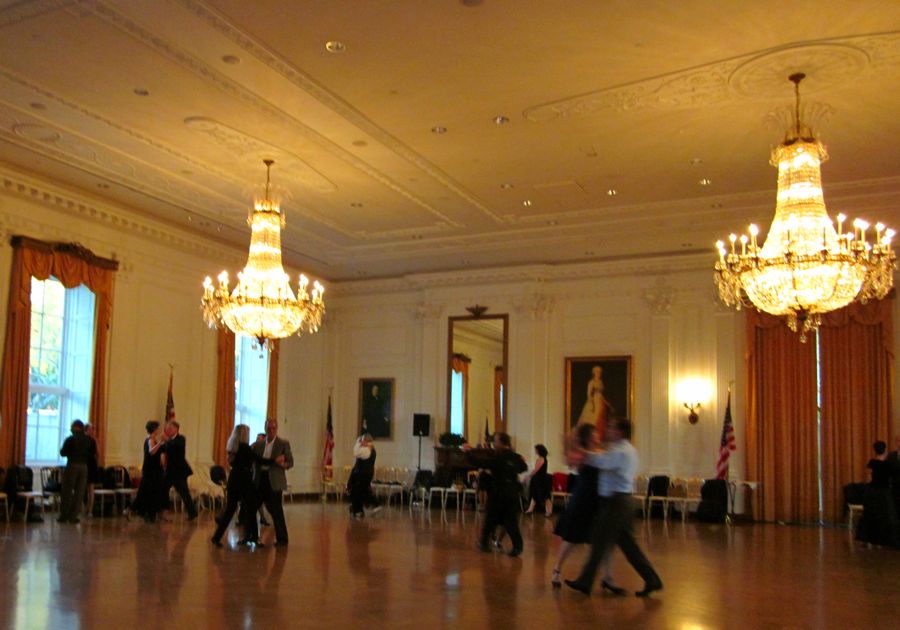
x: 421, y: 424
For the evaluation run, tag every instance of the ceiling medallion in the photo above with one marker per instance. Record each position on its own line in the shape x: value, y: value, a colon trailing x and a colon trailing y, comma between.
x: 263, y: 304
x: 806, y: 267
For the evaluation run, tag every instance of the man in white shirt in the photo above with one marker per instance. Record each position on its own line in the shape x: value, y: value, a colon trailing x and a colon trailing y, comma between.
x: 612, y: 523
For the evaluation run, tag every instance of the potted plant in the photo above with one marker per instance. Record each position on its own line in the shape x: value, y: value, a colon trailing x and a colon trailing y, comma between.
x: 451, y: 440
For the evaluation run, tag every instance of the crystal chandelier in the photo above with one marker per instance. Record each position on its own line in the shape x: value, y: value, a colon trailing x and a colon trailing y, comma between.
x: 263, y: 304
x: 806, y: 267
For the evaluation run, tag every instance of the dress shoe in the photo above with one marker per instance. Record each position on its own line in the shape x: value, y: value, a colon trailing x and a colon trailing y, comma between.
x: 579, y: 586
x: 281, y: 543
x: 264, y: 522
x: 192, y: 517
x: 650, y: 587
x: 514, y: 553
x: 612, y: 588
x: 215, y: 541
x: 483, y: 548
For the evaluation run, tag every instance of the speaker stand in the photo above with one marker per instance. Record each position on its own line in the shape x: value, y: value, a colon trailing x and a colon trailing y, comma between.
x: 420, y: 451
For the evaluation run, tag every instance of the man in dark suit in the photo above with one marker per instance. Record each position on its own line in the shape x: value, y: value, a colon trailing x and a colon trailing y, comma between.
x: 271, y: 481
x: 79, y: 451
x: 503, y: 507
x: 177, y: 468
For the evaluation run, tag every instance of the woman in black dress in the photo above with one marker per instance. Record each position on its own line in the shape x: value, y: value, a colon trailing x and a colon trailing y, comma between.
x: 540, y: 485
x: 240, y: 489
x: 150, y: 499
x: 574, y: 526
x: 879, y: 523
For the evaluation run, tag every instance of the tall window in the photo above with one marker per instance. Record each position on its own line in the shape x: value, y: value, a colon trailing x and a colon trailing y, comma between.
x: 251, y: 384
x: 61, y: 364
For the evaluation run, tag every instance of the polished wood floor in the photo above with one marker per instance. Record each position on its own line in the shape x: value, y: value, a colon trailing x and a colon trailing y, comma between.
x: 403, y: 569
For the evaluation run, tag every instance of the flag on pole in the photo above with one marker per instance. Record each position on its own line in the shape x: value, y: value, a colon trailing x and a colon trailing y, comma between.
x: 329, y: 439
x: 726, y: 444
x: 170, y: 402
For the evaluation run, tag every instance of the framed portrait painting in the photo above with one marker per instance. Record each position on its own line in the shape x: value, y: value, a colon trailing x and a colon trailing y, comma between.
x: 376, y: 407
x: 596, y: 389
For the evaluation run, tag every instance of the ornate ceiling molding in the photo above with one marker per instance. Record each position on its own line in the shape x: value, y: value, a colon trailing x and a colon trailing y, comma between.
x: 291, y: 167
x: 19, y: 185
x: 306, y: 83
x: 22, y: 11
x: 237, y: 91
x: 757, y: 75
x: 524, y: 274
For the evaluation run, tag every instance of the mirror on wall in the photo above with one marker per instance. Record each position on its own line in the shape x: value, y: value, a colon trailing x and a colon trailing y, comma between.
x: 477, y: 375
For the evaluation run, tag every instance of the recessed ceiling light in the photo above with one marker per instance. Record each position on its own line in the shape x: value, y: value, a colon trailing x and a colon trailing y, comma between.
x: 695, y: 161
x: 141, y: 92
x: 501, y: 120
x: 356, y: 204
x: 552, y: 222
x: 526, y: 203
x: 417, y: 237
x: 687, y: 245
x: 103, y: 186
x: 705, y: 182
x: 438, y: 129
x: 612, y: 192
x: 715, y: 205
x: 589, y: 253
x: 334, y: 46
x: 37, y: 105
x: 506, y: 186
x: 231, y: 60
x: 190, y: 219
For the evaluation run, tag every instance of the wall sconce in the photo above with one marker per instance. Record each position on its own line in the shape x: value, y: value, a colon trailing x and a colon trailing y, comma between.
x: 693, y: 408
x: 694, y: 392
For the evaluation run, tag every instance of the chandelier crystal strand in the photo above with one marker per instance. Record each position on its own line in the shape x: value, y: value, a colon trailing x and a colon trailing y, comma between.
x: 806, y: 267
x: 263, y: 305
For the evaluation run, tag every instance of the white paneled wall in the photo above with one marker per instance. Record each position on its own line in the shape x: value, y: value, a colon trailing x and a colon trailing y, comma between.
x: 661, y: 312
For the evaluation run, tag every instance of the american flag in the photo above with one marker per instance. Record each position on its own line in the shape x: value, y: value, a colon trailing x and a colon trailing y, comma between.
x: 726, y: 445
x: 329, y: 439
x: 170, y: 402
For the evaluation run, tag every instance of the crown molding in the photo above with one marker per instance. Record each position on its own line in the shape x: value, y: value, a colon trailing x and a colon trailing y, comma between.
x: 15, y: 183
x: 528, y: 274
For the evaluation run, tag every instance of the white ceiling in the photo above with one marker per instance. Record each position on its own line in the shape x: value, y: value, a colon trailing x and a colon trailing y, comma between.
x: 646, y: 98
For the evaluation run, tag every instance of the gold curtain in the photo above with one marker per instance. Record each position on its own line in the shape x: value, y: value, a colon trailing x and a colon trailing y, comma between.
x: 781, y: 432
x: 72, y: 265
x: 224, y: 416
x: 272, y: 400
x: 856, y: 357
